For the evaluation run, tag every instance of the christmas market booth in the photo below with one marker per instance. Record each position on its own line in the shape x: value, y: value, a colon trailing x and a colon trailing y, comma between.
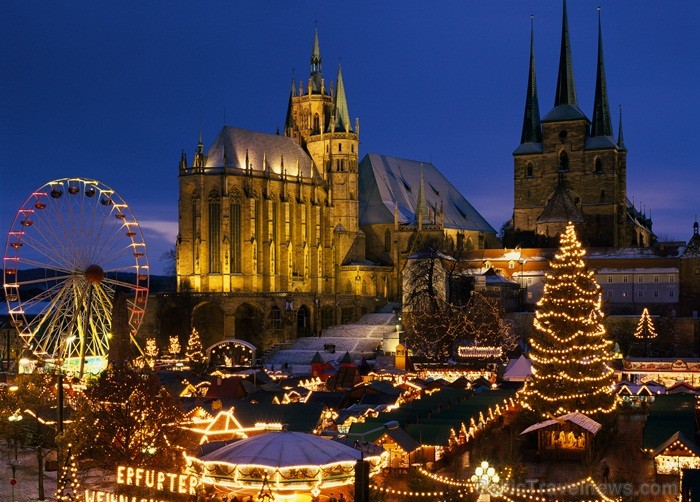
x: 676, y: 453
x: 289, y: 463
x: 566, y: 437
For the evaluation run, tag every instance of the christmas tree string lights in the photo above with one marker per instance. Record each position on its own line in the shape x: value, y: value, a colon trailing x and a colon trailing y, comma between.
x: 645, y: 329
x: 68, y: 486
x: 174, y: 346
x: 570, y: 354
x: 194, y: 351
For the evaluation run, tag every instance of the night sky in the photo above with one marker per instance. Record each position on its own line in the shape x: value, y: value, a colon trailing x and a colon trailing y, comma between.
x: 114, y: 90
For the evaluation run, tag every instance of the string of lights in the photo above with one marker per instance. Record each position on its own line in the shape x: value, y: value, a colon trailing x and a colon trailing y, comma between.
x: 570, y: 354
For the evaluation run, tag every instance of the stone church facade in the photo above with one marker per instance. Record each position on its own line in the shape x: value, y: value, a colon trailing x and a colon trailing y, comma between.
x: 570, y: 168
x: 281, y: 235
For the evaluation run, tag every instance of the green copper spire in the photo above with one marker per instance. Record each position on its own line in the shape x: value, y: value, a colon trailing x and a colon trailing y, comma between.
x: 315, y: 78
x: 566, y: 89
x: 532, y: 129
x: 341, y: 115
x: 601, y: 123
x: 620, y: 136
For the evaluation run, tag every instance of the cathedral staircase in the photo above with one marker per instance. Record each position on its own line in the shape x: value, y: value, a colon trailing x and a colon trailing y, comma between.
x: 359, y: 339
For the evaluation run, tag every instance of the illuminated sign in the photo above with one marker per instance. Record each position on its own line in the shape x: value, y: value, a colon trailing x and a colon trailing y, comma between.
x: 184, y: 484
x: 100, y: 496
x: 472, y: 351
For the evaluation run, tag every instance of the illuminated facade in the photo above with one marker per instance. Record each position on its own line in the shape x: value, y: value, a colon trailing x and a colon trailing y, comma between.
x: 570, y: 168
x: 279, y: 234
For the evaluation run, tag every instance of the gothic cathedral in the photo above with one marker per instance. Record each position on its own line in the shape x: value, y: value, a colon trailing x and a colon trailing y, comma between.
x: 281, y: 235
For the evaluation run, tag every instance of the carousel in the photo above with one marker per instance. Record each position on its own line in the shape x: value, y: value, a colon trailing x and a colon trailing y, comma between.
x: 289, y: 464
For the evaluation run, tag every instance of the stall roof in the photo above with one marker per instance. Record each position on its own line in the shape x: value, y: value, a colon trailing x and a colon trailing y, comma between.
x: 579, y: 419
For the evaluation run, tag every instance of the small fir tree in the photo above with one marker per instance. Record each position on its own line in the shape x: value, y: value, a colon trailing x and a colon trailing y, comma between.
x: 645, y: 329
x: 195, y: 352
x: 174, y: 346
x: 68, y: 486
x: 570, y: 354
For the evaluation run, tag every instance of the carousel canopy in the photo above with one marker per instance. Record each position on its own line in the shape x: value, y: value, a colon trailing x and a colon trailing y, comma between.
x: 283, y: 449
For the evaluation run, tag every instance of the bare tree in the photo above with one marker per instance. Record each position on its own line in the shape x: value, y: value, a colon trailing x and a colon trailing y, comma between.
x: 439, y: 311
x: 169, y: 261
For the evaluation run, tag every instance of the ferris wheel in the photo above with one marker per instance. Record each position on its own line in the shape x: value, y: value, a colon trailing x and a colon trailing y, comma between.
x: 73, y: 248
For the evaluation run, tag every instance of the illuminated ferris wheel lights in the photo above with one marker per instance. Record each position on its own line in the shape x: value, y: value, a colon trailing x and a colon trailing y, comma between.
x: 73, y: 286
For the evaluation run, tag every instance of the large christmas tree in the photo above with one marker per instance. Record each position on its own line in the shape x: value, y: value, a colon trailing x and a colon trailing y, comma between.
x: 571, y: 357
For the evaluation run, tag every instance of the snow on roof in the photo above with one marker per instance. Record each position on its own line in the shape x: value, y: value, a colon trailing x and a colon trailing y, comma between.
x: 575, y: 418
x: 666, y: 270
x: 283, y: 449
x: 518, y: 371
x: 631, y: 252
x: 387, y: 181
x: 235, y: 143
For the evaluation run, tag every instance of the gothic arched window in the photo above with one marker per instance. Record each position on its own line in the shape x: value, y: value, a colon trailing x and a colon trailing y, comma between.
x: 528, y: 170
x: 317, y: 124
x: 598, y: 165
x: 235, y: 232
x: 214, y: 232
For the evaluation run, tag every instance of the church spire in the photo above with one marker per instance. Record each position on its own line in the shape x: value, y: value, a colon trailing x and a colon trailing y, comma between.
x: 316, y: 78
x: 566, y: 89
x: 341, y: 115
x: 199, y: 156
x: 620, y: 136
x: 532, y: 129
x: 601, y: 123
x: 289, y: 120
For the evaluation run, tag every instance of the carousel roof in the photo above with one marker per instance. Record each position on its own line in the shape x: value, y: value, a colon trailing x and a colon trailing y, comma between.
x: 283, y: 449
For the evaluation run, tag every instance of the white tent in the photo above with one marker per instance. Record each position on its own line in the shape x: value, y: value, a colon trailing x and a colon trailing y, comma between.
x: 518, y: 370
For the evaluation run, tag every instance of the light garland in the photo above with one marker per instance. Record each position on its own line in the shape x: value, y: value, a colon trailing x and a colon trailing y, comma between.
x: 523, y: 493
x: 571, y: 358
x: 645, y: 327
x: 68, y: 488
x: 194, y: 351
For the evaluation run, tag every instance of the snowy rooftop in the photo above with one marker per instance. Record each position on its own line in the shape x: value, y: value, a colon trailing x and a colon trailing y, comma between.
x: 235, y: 143
x: 576, y: 418
x: 388, y: 181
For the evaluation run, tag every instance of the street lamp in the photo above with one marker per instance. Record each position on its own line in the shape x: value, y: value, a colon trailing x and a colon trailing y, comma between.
x: 485, y: 479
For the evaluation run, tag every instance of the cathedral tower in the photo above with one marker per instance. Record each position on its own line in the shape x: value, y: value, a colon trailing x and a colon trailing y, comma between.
x: 319, y: 119
x: 568, y: 168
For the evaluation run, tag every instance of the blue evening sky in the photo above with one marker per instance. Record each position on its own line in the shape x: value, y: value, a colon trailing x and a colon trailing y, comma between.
x: 114, y: 90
